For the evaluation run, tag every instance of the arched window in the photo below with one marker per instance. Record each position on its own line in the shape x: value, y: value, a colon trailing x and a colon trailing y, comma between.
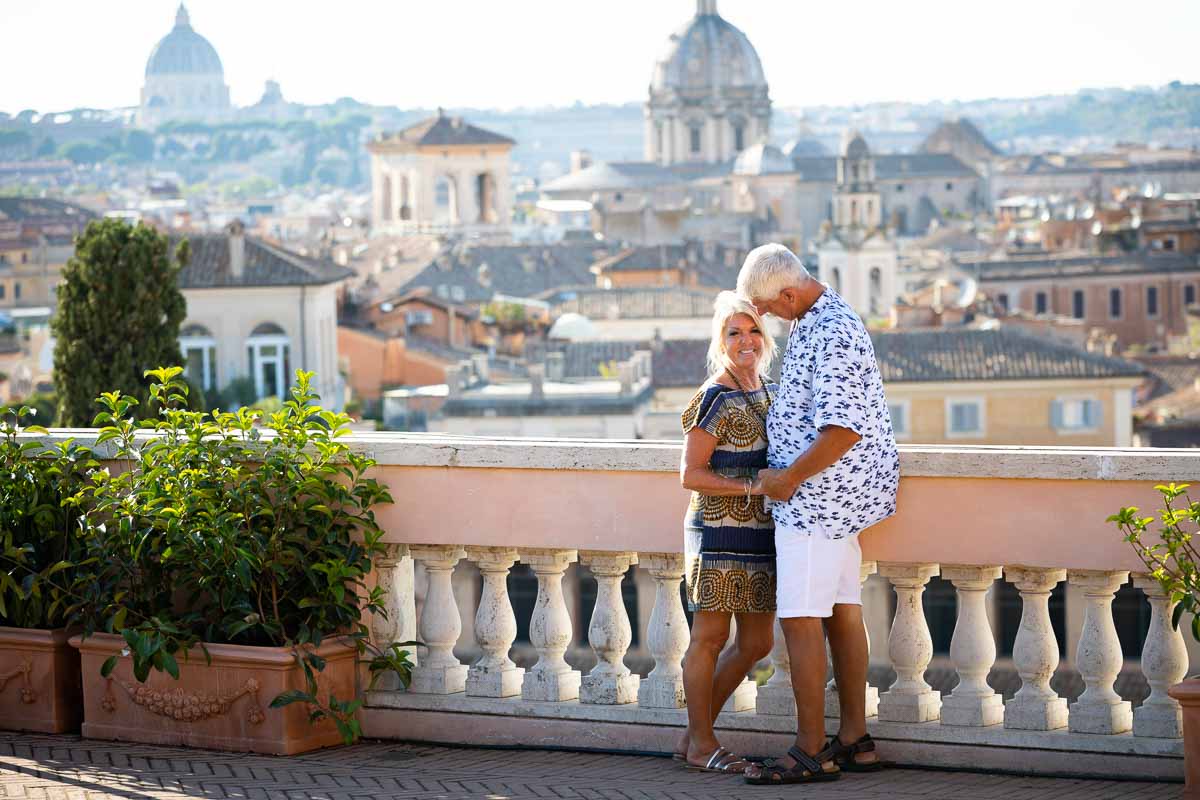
x: 268, y: 350
x: 739, y: 137
x: 876, y: 298
x: 485, y: 196
x: 853, y: 212
x: 695, y: 141
x: 835, y: 280
x: 445, y: 200
x: 405, y: 202
x: 199, y: 356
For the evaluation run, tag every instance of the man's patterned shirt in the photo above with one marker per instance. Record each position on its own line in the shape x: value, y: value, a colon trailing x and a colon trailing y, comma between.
x: 830, y: 377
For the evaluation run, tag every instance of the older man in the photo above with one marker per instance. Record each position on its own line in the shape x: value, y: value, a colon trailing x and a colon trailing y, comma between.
x: 834, y: 471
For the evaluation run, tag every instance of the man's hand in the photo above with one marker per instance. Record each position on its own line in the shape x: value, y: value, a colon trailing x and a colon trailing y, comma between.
x: 776, y: 484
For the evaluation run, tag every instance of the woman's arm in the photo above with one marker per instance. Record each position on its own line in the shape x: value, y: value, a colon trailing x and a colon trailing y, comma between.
x: 695, y: 472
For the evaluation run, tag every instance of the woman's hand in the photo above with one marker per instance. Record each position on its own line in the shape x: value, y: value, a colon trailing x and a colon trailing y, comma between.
x: 756, y: 488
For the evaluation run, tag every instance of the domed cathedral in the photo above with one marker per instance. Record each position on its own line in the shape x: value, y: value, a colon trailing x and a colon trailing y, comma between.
x: 708, y: 95
x: 856, y: 255
x: 184, y: 78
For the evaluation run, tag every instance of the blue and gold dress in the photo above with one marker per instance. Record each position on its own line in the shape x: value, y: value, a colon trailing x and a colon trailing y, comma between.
x: 729, y: 548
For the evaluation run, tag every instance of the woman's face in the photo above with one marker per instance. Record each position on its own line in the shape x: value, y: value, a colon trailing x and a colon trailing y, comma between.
x: 743, y: 341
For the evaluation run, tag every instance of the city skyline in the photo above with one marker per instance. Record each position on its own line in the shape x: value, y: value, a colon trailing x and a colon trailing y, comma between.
x: 549, y: 54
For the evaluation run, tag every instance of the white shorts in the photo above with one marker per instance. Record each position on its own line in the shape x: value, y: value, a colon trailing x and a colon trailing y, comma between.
x: 815, y: 573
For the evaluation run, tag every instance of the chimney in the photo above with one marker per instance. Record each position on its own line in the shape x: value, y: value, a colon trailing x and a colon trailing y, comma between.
x: 237, y: 248
x: 556, y: 366
x: 453, y: 382
x: 480, y: 363
x: 625, y: 374
x: 537, y: 388
x: 580, y: 160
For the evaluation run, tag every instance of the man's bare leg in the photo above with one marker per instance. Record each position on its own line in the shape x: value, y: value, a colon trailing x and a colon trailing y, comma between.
x: 848, y: 646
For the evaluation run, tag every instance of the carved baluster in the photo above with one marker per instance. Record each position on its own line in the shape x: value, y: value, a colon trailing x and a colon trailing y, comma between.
x: 667, y: 635
x: 394, y: 576
x: 776, y: 697
x: 1035, y: 707
x: 832, y: 704
x: 494, y: 674
x: 610, y: 682
x: 973, y: 650
x: 1099, y: 709
x: 551, y: 678
x: 1164, y: 663
x: 440, y: 672
x: 910, y: 698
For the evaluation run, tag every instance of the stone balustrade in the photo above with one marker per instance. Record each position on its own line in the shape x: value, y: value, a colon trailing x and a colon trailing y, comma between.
x: 1034, y: 518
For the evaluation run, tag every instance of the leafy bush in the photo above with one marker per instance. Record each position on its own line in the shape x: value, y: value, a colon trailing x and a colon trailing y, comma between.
x: 216, y: 531
x: 39, y: 528
x: 1173, y: 559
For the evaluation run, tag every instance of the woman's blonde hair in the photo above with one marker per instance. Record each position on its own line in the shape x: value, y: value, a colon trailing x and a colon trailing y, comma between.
x: 727, y: 305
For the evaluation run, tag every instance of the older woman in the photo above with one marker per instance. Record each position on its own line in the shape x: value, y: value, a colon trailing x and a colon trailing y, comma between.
x: 729, y: 539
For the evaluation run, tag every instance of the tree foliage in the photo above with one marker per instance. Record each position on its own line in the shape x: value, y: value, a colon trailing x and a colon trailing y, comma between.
x: 119, y: 312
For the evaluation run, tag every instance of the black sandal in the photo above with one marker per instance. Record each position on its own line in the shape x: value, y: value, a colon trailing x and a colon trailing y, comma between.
x: 844, y: 754
x: 807, y: 769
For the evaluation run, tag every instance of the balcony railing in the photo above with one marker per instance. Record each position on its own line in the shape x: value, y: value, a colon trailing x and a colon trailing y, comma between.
x: 1034, y: 517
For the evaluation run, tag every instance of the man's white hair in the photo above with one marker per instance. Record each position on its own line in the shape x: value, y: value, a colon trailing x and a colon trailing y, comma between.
x: 768, y: 270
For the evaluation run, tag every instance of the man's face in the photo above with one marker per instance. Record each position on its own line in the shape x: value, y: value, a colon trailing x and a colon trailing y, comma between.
x: 780, y: 307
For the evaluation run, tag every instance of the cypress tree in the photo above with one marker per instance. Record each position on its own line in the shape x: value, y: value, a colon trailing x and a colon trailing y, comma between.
x: 119, y: 312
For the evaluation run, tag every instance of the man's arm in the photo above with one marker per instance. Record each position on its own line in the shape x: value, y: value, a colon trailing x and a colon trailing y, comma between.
x: 831, y: 444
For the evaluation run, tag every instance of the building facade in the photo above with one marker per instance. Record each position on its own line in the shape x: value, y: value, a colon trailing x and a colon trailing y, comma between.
x: 440, y: 174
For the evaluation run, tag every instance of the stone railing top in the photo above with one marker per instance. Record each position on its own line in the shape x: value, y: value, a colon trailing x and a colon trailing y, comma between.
x: 916, y: 460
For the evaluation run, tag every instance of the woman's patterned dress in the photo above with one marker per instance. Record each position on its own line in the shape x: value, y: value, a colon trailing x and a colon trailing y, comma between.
x: 729, y: 549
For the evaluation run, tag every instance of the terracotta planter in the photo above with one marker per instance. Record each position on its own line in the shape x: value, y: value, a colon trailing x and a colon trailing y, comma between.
x: 222, y: 705
x: 39, y: 681
x: 1188, y: 694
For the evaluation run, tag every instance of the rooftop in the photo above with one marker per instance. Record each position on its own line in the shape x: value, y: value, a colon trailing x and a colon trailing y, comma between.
x: 441, y: 130
x: 266, y: 265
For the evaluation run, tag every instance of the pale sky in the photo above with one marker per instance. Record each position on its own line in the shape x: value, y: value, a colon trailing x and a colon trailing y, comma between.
x: 62, y: 54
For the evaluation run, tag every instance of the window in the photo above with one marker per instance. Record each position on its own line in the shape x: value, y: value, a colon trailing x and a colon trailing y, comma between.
x: 694, y: 134
x: 268, y: 349
x: 1040, y: 303
x: 1114, y: 303
x: 949, y: 186
x: 418, y: 317
x: 1075, y: 414
x: 739, y: 138
x: 2, y: 288
x: 899, y: 411
x: 1002, y: 301
x: 1077, y: 306
x: 1189, y: 294
x: 964, y: 417
x: 1151, y: 301
x: 1168, y: 243
x: 17, y: 290
x: 199, y: 356
x: 899, y: 187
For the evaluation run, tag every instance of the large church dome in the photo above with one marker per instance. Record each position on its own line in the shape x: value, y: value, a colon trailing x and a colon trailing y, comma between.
x: 708, y: 54
x: 184, y: 52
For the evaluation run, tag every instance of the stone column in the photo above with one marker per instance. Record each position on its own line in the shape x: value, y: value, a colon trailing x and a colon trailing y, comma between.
x: 1164, y: 663
x: 551, y: 678
x: 1035, y: 707
x: 394, y: 577
x: 1099, y: 709
x: 833, y: 706
x: 494, y: 674
x: 667, y: 634
x: 973, y: 650
x: 910, y: 698
x: 610, y: 682
x: 776, y: 697
x: 440, y: 672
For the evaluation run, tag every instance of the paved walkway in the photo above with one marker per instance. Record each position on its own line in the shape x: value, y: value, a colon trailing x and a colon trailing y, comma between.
x: 68, y: 767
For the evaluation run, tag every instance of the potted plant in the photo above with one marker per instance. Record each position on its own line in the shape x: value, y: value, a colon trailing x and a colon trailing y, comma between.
x: 222, y: 592
x: 39, y: 545
x: 1175, y: 562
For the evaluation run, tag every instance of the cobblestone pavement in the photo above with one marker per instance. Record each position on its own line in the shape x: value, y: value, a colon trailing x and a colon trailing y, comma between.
x: 68, y: 767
